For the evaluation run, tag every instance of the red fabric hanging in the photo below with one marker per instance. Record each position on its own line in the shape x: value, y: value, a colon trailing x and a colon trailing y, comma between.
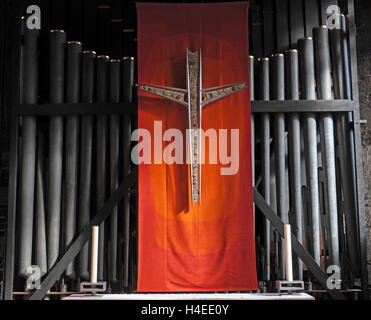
x: 185, y: 247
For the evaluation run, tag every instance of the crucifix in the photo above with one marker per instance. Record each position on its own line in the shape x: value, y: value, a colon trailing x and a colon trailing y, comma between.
x: 194, y: 98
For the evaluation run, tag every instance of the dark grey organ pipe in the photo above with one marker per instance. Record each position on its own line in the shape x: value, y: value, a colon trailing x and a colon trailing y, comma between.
x: 292, y: 93
x: 128, y: 83
x: 252, y: 97
x: 349, y: 126
x: 115, y: 90
x: 126, y: 166
x: 278, y: 94
x: 341, y: 122
x: 307, y: 81
x: 87, y: 95
x: 28, y: 151
x: 40, y: 229
x: 323, y: 77
x: 348, y: 96
x: 263, y: 64
x: 128, y: 78
x: 74, y: 50
x: 102, y: 96
x: 57, y: 41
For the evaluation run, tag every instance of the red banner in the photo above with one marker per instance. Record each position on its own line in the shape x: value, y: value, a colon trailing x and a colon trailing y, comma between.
x: 185, y: 246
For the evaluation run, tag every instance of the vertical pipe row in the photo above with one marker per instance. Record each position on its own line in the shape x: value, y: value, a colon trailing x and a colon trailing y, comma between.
x: 263, y: 64
x: 128, y: 83
x: 88, y: 71
x: 278, y: 94
x: 114, y: 158
x: 101, y: 148
x: 292, y: 93
x: 74, y: 50
x: 28, y: 150
x: 307, y: 81
x: 41, y: 183
x: 323, y: 77
x: 56, y: 79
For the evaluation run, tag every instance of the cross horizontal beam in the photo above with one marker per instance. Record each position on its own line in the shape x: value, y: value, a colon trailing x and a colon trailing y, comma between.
x: 74, y: 249
x: 300, y: 106
x: 299, y: 250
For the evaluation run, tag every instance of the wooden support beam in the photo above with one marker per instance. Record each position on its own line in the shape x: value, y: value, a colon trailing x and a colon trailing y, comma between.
x: 56, y: 272
x: 64, y: 109
x: 303, y: 106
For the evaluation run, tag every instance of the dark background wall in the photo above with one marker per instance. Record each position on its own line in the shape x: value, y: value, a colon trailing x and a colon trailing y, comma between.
x: 363, y: 12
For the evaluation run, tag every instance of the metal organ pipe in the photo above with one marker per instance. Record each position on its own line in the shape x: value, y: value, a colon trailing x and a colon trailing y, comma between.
x: 29, y: 85
x: 74, y: 50
x: 88, y: 75
x: 128, y: 78
x: 115, y: 66
x: 323, y: 77
x: 292, y: 93
x: 307, y: 81
x: 348, y: 96
x: 128, y: 83
x: 263, y: 64
x: 56, y: 79
x: 252, y: 97
x: 278, y: 93
x: 101, y: 163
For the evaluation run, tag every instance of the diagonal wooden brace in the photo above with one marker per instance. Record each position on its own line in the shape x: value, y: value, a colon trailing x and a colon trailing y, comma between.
x: 74, y: 249
x: 299, y: 250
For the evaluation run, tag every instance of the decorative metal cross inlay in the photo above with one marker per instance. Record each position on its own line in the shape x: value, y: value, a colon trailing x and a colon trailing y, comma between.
x: 194, y: 98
